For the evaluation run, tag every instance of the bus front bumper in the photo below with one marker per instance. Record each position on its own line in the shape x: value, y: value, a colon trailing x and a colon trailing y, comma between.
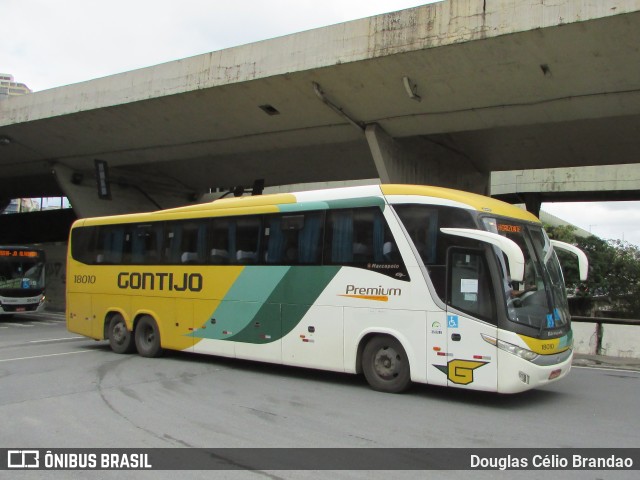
x: 518, y: 375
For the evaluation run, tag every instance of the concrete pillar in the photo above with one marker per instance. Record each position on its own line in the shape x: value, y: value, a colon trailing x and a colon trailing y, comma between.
x: 128, y: 194
x: 423, y: 161
x: 56, y: 275
x: 533, y: 202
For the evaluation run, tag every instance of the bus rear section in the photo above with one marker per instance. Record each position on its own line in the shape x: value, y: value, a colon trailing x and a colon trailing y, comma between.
x: 22, y: 280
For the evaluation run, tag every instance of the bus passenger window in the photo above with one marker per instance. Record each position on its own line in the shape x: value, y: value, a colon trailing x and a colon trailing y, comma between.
x: 83, y: 243
x: 360, y: 237
x: 294, y: 239
x: 248, y: 240
x: 221, y: 241
x: 146, y: 244
x: 112, y: 242
x: 423, y: 224
x: 185, y: 242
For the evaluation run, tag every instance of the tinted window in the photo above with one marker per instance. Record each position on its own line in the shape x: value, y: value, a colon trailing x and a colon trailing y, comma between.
x: 423, y: 224
x: 358, y: 237
x: 294, y: 239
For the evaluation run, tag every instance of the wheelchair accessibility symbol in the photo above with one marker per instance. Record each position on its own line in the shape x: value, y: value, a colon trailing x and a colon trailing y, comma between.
x: 452, y: 321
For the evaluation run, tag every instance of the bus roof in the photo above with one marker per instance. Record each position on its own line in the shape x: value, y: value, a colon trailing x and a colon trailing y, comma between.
x: 477, y: 202
x: 369, y: 195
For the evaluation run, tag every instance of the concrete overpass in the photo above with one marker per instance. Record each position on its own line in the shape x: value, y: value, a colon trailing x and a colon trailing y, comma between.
x: 568, y: 184
x: 440, y: 94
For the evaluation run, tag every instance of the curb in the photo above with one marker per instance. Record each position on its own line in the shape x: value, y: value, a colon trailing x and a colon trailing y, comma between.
x: 600, y: 361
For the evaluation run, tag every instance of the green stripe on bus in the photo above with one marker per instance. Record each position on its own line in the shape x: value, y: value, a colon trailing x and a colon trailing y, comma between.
x: 357, y: 202
x: 242, y: 302
x: 332, y: 204
x: 251, y: 310
x: 298, y: 291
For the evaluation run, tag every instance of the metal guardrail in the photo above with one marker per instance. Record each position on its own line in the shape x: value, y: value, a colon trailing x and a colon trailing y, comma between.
x: 599, y: 321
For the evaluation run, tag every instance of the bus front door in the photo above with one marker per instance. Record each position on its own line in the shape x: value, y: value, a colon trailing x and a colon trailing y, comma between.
x: 471, y: 360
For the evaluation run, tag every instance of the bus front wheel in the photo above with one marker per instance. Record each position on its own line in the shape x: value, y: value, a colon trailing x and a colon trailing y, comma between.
x: 120, y: 338
x: 385, y: 365
x: 147, y: 337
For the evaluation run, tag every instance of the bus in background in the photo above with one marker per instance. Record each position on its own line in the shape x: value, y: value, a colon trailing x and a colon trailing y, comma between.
x: 22, y: 280
x: 401, y: 283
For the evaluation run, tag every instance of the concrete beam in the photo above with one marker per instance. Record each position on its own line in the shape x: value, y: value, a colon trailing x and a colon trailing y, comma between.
x: 423, y: 161
x: 80, y: 187
x: 611, y: 182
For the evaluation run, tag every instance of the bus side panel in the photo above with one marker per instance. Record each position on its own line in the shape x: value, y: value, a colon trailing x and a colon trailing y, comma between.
x: 174, y: 324
x: 262, y: 339
x: 407, y: 326
x: 210, y: 346
x: 472, y: 362
x: 102, y: 305
x: 80, y: 314
x: 177, y: 335
x: 316, y: 341
x: 437, y: 348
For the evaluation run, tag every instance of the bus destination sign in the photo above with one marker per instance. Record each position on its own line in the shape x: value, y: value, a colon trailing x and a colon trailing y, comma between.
x: 19, y: 253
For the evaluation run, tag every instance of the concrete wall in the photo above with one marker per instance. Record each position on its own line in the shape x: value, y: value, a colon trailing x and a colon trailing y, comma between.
x: 56, y: 275
x: 585, y: 338
x: 617, y: 340
x: 621, y: 341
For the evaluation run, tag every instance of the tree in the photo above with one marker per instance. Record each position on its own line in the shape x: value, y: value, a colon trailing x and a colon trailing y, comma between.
x: 614, y: 270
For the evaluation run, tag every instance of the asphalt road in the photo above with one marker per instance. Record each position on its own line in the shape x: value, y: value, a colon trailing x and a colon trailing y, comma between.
x: 58, y: 390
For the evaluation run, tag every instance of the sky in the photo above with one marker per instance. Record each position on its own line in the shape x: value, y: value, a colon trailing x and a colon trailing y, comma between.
x: 48, y: 44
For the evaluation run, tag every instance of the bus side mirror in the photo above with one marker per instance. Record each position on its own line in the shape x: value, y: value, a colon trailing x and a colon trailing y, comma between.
x: 583, y: 261
x: 508, y: 246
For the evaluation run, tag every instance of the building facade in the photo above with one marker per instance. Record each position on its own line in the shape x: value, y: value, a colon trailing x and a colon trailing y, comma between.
x: 9, y: 87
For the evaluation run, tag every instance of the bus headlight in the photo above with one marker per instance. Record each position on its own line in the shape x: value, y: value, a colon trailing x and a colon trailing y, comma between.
x: 511, y: 348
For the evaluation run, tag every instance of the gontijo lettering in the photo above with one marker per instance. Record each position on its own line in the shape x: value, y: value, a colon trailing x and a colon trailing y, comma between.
x: 160, y: 281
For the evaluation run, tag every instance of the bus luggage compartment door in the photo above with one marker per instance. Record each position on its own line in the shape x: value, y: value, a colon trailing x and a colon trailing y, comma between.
x: 80, y: 316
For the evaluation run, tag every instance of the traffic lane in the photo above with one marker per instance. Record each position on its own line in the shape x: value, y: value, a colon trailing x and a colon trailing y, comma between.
x: 21, y: 328
x: 191, y: 400
x: 36, y: 339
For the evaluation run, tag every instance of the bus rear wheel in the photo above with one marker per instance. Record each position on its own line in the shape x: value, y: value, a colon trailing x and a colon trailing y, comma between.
x: 385, y: 365
x: 120, y: 338
x: 147, y: 337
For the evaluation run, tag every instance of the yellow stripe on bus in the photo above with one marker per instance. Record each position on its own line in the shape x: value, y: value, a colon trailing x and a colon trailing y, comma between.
x: 377, y: 298
x: 546, y: 346
x: 478, y: 202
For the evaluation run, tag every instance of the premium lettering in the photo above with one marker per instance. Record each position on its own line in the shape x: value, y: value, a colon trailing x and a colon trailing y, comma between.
x: 160, y: 281
x: 379, y: 290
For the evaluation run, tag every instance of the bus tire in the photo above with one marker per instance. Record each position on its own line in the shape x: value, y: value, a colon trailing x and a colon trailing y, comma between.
x: 385, y: 365
x: 147, y: 337
x: 120, y: 338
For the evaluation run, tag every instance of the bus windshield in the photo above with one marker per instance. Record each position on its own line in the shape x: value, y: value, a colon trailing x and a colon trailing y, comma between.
x: 23, y: 271
x: 539, y: 300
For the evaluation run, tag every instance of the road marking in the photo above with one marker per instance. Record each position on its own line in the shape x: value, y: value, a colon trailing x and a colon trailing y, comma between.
x: 58, y: 339
x: 606, y: 369
x: 44, y: 356
x: 24, y: 325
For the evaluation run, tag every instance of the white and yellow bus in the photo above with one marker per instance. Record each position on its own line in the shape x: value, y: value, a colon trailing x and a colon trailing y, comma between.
x: 401, y: 283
